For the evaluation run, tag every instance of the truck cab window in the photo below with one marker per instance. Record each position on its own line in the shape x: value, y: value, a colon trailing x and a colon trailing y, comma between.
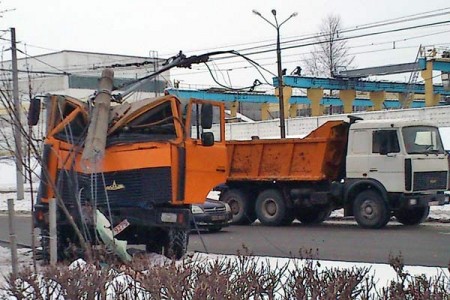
x: 155, y: 124
x: 422, y: 140
x: 196, y: 128
x: 75, y: 129
x: 385, y: 141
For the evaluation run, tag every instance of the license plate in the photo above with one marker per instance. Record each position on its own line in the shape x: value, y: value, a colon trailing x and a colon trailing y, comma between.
x: 120, y: 227
x: 217, y: 218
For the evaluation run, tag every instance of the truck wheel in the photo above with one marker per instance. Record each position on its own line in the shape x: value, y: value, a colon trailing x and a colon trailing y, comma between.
x: 66, y: 248
x: 241, y: 207
x: 176, y: 243
x: 313, y: 215
x: 412, y: 216
x: 153, y: 247
x: 270, y: 207
x: 44, y: 237
x: 370, y: 210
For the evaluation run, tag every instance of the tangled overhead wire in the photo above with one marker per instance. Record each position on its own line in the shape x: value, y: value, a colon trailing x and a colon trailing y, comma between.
x: 180, y: 60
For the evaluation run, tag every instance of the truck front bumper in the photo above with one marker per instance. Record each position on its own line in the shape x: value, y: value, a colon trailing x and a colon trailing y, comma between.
x: 179, y: 217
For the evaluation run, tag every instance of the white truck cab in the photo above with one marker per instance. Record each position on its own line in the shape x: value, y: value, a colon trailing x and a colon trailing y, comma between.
x: 394, y: 166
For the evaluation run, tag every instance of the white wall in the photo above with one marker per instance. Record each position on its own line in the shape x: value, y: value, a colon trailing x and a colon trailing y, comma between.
x: 439, y: 116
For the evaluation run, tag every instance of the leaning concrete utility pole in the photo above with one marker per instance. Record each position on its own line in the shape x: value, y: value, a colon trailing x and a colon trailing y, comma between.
x: 17, y: 118
x: 94, y: 146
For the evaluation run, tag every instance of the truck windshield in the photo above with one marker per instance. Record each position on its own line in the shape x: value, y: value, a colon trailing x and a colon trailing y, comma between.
x: 422, y: 140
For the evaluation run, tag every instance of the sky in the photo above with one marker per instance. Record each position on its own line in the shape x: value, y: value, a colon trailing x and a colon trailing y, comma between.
x: 136, y: 27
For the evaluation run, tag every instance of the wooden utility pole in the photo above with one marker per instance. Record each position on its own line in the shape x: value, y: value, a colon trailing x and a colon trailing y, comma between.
x: 17, y: 118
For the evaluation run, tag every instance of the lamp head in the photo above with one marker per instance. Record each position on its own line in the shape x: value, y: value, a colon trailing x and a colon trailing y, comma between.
x: 256, y: 12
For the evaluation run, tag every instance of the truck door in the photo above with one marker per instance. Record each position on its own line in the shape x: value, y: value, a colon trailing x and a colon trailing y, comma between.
x: 386, y: 161
x: 206, y: 154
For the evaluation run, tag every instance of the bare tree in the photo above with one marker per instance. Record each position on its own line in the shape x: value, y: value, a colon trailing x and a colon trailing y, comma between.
x: 331, y: 51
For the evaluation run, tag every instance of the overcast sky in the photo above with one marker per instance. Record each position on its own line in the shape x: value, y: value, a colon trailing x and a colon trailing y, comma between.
x: 134, y: 27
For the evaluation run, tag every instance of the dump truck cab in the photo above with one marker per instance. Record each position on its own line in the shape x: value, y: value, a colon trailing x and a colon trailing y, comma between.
x: 400, y: 162
x: 160, y: 157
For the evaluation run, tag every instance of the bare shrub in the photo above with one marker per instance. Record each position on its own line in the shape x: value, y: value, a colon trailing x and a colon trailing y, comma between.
x: 407, y: 286
x: 246, y: 277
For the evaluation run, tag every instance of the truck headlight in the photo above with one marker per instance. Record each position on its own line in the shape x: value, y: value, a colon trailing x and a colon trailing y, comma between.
x: 168, y: 217
x: 196, y: 209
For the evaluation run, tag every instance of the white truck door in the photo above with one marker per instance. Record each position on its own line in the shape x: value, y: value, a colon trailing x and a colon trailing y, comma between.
x: 386, y: 160
x: 359, y: 145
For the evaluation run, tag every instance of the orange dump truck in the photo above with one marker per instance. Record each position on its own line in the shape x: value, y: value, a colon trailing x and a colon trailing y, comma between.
x: 369, y: 168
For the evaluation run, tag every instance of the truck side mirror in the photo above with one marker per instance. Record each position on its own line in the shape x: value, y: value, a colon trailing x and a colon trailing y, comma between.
x: 207, y: 139
x: 206, y: 116
x: 34, y: 111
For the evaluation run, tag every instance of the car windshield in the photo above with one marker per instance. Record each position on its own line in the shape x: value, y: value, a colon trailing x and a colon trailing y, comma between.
x: 422, y: 140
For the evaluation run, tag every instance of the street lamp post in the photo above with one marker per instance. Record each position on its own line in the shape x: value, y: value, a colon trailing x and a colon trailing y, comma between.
x: 280, y: 70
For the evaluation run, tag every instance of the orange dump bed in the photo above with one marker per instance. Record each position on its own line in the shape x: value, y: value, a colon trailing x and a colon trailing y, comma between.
x: 318, y: 156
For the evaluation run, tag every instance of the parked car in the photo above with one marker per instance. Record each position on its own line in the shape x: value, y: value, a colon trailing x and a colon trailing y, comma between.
x: 213, y: 215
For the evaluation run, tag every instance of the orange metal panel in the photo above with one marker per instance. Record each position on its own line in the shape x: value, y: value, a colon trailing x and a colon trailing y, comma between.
x: 315, y: 157
x: 117, y: 159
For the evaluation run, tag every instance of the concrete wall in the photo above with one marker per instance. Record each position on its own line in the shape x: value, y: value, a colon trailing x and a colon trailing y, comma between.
x: 297, y: 127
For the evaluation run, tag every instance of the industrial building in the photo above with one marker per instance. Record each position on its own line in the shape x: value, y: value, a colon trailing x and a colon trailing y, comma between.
x: 76, y: 73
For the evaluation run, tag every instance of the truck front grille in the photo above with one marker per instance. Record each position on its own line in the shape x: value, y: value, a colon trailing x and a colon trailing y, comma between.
x: 430, y: 181
x: 130, y: 188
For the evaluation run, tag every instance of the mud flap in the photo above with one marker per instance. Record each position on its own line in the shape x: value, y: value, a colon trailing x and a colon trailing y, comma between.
x: 103, y: 227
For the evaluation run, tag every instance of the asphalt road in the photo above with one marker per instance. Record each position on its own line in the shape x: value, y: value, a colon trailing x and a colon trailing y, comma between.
x: 426, y: 245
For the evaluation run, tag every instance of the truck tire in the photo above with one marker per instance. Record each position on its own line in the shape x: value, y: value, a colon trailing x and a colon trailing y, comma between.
x: 271, y: 208
x: 176, y: 243
x: 44, y: 237
x: 241, y: 206
x: 412, y: 216
x: 313, y: 215
x: 370, y: 210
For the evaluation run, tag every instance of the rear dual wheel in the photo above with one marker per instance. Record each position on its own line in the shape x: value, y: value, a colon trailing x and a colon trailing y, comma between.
x: 241, y: 206
x: 271, y: 208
